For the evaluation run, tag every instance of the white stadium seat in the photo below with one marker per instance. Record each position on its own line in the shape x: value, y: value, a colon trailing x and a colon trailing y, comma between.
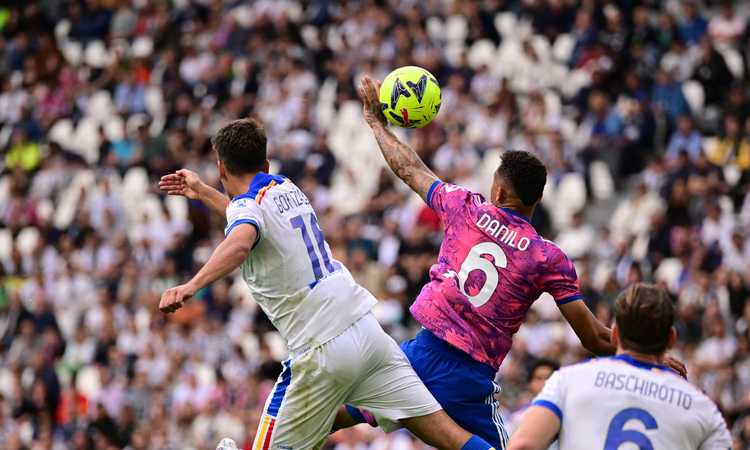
x: 96, y: 55
x: 563, y: 47
x: 481, y: 53
x: 694, y: 95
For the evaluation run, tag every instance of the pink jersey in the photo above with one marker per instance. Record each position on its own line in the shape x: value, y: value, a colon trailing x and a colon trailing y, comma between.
x: 492, y: 266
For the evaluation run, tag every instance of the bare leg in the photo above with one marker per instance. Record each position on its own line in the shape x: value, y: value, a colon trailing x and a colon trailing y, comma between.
x: 438, y: 430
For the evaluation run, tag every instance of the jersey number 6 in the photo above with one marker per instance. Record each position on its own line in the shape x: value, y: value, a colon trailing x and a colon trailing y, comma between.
x: 475, y: 261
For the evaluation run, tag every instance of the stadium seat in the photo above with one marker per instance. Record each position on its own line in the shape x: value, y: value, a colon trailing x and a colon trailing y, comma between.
x: 669, y: 272
x: 436, y: 29
x: 602, y: 184
x: 87, y: 138
x: 456, y: 28
x: 541, y: 45
x: 568, y: 198
x: 88, y: 381
x: 100, y: 106
x: 68, y: 200
x: 114, y: 128
x: 142, y: 47
x: 481, y: 53
x: 62, y: 29
x: 505, y: 23
x: 27, y: 240
x: 694, y: 95
x: 96, y: 55
x: 6, y: 244
x: 154, y: 101
x: 72, y: 51
x: 177, y: 207
x: 733, y: 58
x: 563, y: 48
x: 61, y: 132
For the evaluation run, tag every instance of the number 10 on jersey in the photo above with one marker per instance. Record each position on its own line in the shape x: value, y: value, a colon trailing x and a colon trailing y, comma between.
x: 330, y: 266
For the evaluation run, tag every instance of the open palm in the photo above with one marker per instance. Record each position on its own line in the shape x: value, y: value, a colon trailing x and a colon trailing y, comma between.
x: 183, y: 182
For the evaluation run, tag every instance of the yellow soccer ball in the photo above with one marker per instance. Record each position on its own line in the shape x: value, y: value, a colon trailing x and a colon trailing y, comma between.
x: 410, y: 97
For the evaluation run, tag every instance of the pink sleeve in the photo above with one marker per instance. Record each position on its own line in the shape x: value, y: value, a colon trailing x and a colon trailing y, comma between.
x: 445, y: 197
x: 561, y: 279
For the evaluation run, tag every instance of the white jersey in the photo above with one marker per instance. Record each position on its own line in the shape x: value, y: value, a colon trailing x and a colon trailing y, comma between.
x: 308, y: 296
x: 620, y: 403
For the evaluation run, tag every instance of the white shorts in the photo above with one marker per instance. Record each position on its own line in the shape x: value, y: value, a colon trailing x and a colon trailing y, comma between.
x: 363, y: 366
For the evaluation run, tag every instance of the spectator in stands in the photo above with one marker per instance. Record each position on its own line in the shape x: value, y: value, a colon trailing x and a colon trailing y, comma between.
x: 685, y: 138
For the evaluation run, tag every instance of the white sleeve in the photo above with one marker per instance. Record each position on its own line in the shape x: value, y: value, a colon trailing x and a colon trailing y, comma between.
x: 718, y: 435
x: 244, y: 210
x: 552, y: 394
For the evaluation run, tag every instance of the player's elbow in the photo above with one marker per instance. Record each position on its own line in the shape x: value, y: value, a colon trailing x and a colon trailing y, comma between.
x: 597, y: 344
x: 240, y: 250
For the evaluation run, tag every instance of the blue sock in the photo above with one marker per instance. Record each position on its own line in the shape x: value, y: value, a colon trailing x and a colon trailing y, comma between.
x: 356, y: 414
x: 477, y: 443
x: 361, y: 416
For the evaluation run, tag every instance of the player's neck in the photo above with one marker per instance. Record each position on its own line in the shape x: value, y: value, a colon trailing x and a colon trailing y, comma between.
x: 642, y: 357
x: 238, y: 184
x: 520, y: 208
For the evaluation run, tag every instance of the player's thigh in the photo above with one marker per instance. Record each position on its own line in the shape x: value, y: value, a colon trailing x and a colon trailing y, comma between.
x: 466, y: 395
x: 390, y: 389
x: 300, y: 410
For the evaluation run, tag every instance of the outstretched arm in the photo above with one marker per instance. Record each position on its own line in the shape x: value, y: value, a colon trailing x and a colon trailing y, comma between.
x: 401, y: 158
x: 227, y: 257
x: 188, y: 183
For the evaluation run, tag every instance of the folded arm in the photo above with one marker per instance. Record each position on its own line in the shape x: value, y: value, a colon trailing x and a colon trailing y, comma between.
x: 594, y: 335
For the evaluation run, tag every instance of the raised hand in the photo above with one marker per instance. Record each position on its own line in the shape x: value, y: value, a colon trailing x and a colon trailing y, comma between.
x: 369, y: 93
x: 183, y: 182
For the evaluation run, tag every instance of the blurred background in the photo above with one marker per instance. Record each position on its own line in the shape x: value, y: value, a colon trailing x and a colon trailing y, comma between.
x: 640, y: 110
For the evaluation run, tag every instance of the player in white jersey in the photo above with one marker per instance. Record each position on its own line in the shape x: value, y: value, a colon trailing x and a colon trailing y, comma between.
x: 338, y: 352
x: 628, y: 401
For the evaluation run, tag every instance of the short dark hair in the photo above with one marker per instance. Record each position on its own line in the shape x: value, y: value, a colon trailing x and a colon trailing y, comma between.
x: 525, y: 173
x: 644, y: 314
x: 241, y: 145
x: 541, y: 362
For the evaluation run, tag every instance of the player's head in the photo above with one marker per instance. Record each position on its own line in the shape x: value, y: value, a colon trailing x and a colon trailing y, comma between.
x: 519, y: 181
x: 644, y: 315
x: 241, y: 148
x: 540, y: 370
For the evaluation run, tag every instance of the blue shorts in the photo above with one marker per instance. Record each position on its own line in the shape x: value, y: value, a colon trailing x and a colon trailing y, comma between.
x: 464, y: 387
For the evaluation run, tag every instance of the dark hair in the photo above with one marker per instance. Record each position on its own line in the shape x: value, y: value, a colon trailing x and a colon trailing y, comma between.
x: 541, y: 362
x: 644, y: 314
x: 525, y: 173
x: 241, y: 145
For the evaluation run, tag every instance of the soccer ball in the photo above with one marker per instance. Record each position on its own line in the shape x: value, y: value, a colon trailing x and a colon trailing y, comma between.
x: 410, y: 97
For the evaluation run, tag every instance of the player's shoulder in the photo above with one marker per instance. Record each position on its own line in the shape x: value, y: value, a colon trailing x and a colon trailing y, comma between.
x: 454, y: 191
x: 261, y: 184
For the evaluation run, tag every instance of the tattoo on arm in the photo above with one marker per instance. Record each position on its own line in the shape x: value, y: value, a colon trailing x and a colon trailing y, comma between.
x: 404, y: 161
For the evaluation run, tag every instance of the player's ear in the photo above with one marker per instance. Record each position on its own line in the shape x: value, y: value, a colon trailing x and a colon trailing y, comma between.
x: 266, y: 167
x: 222, y: 169
x: 614, y: 336
x: 672, y: 339
x: 498, y: 193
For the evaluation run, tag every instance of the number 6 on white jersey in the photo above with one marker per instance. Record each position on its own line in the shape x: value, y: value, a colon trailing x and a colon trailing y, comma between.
x: 474, y: 261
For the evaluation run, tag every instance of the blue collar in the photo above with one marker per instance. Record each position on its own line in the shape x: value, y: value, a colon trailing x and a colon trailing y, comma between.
x: 259, y: 181
x: 640, y: 364
x: 513, y: 212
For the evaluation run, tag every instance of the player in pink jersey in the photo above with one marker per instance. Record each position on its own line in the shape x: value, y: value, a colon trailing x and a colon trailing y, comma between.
x: 492, y: 266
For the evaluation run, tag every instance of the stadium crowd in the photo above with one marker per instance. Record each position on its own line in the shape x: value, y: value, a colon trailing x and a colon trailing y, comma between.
x: 640, y: 109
